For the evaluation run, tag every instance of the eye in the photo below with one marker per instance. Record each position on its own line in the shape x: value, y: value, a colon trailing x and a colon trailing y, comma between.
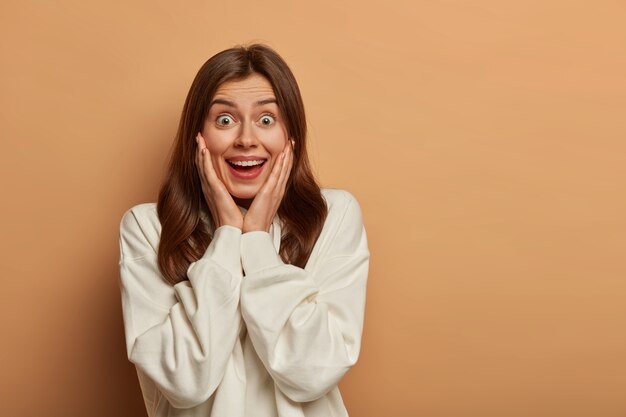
x: 268, y: 119
x: 224, y: 120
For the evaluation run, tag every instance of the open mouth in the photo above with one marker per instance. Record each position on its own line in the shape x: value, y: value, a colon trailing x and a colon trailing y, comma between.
x: 246, y: 165
x: 246, y: 169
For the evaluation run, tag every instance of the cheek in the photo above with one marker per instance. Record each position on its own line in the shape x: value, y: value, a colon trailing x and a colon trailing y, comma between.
x: 216, y: 158
x: 274, y: 142
x: 216, y: 146
x: 219, y: 166
x: 216, y: 143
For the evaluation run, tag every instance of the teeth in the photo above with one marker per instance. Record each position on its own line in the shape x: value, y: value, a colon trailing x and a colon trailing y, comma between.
x: 247, y: 163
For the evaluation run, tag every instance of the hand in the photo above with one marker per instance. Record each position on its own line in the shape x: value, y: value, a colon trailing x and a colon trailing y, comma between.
x: 221, y: 204
x: 266, y: 202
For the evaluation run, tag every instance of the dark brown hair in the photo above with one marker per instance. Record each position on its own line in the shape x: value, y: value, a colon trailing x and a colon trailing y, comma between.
x: 181, y: 206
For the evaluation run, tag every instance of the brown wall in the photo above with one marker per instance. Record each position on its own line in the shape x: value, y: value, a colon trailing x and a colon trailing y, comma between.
x: 484, y: 141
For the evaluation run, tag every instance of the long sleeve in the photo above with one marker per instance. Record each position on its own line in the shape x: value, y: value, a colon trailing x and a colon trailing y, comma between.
x: 306, y: 325
x: 182, y: 343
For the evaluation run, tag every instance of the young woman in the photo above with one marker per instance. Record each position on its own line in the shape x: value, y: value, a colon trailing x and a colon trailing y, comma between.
x: 243, y: 287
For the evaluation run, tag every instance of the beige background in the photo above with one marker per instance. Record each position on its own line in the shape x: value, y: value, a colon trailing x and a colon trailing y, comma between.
x: 484, y: 141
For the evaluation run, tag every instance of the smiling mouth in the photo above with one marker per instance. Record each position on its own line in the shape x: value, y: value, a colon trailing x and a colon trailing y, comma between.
x: 244, y: 166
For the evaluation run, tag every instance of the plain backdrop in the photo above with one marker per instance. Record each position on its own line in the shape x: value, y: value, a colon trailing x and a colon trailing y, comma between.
x: 484, y: 141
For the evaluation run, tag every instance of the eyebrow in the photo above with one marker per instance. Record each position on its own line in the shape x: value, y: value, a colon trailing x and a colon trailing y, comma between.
x: 231, y: 104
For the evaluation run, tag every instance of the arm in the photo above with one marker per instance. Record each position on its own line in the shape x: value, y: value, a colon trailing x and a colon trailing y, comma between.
x: 307, y: 329
x: 183, y: 346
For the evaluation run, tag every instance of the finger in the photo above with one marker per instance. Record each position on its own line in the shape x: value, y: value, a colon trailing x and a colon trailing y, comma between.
x: 199, y: 160
x: 200, y: 163
x: 199, y: 146
x: 287, y: 153
x: 205, y: 166
x: 272, y: 180
x: 211, y: 176
x: 205, y: 159
x: 284, y: 175
x: 197, y: 155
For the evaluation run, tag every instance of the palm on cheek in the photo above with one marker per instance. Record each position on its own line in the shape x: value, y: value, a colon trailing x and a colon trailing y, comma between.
x: 222, y: 206
x: 266, y: 202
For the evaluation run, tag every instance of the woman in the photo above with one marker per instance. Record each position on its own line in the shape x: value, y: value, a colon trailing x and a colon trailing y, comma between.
x: 243, y: 287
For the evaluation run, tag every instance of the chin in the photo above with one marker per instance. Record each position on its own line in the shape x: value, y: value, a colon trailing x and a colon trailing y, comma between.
x: 244, y: 193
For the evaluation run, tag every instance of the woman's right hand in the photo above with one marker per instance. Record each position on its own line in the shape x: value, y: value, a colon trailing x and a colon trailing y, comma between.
x: 221, y: 204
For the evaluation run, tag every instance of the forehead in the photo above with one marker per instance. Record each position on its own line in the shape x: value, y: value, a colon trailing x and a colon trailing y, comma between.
x: 252, y: 87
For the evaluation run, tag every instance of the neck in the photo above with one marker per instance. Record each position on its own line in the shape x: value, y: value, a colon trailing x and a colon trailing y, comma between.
x: 243, y: 202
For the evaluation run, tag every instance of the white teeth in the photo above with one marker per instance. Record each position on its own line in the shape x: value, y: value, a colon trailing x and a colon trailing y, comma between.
x: 247, y: 163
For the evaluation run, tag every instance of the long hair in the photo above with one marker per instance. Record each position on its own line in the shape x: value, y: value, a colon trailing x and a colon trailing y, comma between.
x: 181, y: 207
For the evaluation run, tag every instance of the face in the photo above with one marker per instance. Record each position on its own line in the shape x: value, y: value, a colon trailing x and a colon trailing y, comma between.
x: 245, y: 134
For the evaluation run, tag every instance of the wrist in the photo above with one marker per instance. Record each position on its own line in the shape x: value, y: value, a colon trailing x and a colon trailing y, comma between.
x: 236, y: 224
x: 231, y: 221
x: 254, y: 228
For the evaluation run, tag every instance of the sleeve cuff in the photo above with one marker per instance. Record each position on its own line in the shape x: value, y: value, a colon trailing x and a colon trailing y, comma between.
x: 224, y: 248
x: 258, y: 252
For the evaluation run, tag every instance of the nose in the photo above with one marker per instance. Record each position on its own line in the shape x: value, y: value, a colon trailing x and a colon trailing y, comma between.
x: 247, y: 137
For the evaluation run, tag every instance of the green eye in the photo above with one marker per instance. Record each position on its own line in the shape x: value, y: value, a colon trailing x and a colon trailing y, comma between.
x: 226, y: 120
x: 268, y: 119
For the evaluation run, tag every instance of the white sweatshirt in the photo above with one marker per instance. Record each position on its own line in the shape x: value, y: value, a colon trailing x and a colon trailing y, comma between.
x: 247, y: 334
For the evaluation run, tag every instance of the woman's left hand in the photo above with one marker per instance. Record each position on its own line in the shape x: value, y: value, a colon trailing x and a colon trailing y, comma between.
x: 265, y: 204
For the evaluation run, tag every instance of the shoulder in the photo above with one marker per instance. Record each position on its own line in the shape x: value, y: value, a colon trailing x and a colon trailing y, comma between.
x: 338, y: 200
x: 341, y: 204
x: 343, y: 233
x: 140, y: 230
x: 344, y: 214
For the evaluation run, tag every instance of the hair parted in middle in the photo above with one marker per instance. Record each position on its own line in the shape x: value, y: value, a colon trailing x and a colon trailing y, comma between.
x: 181, y: 205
